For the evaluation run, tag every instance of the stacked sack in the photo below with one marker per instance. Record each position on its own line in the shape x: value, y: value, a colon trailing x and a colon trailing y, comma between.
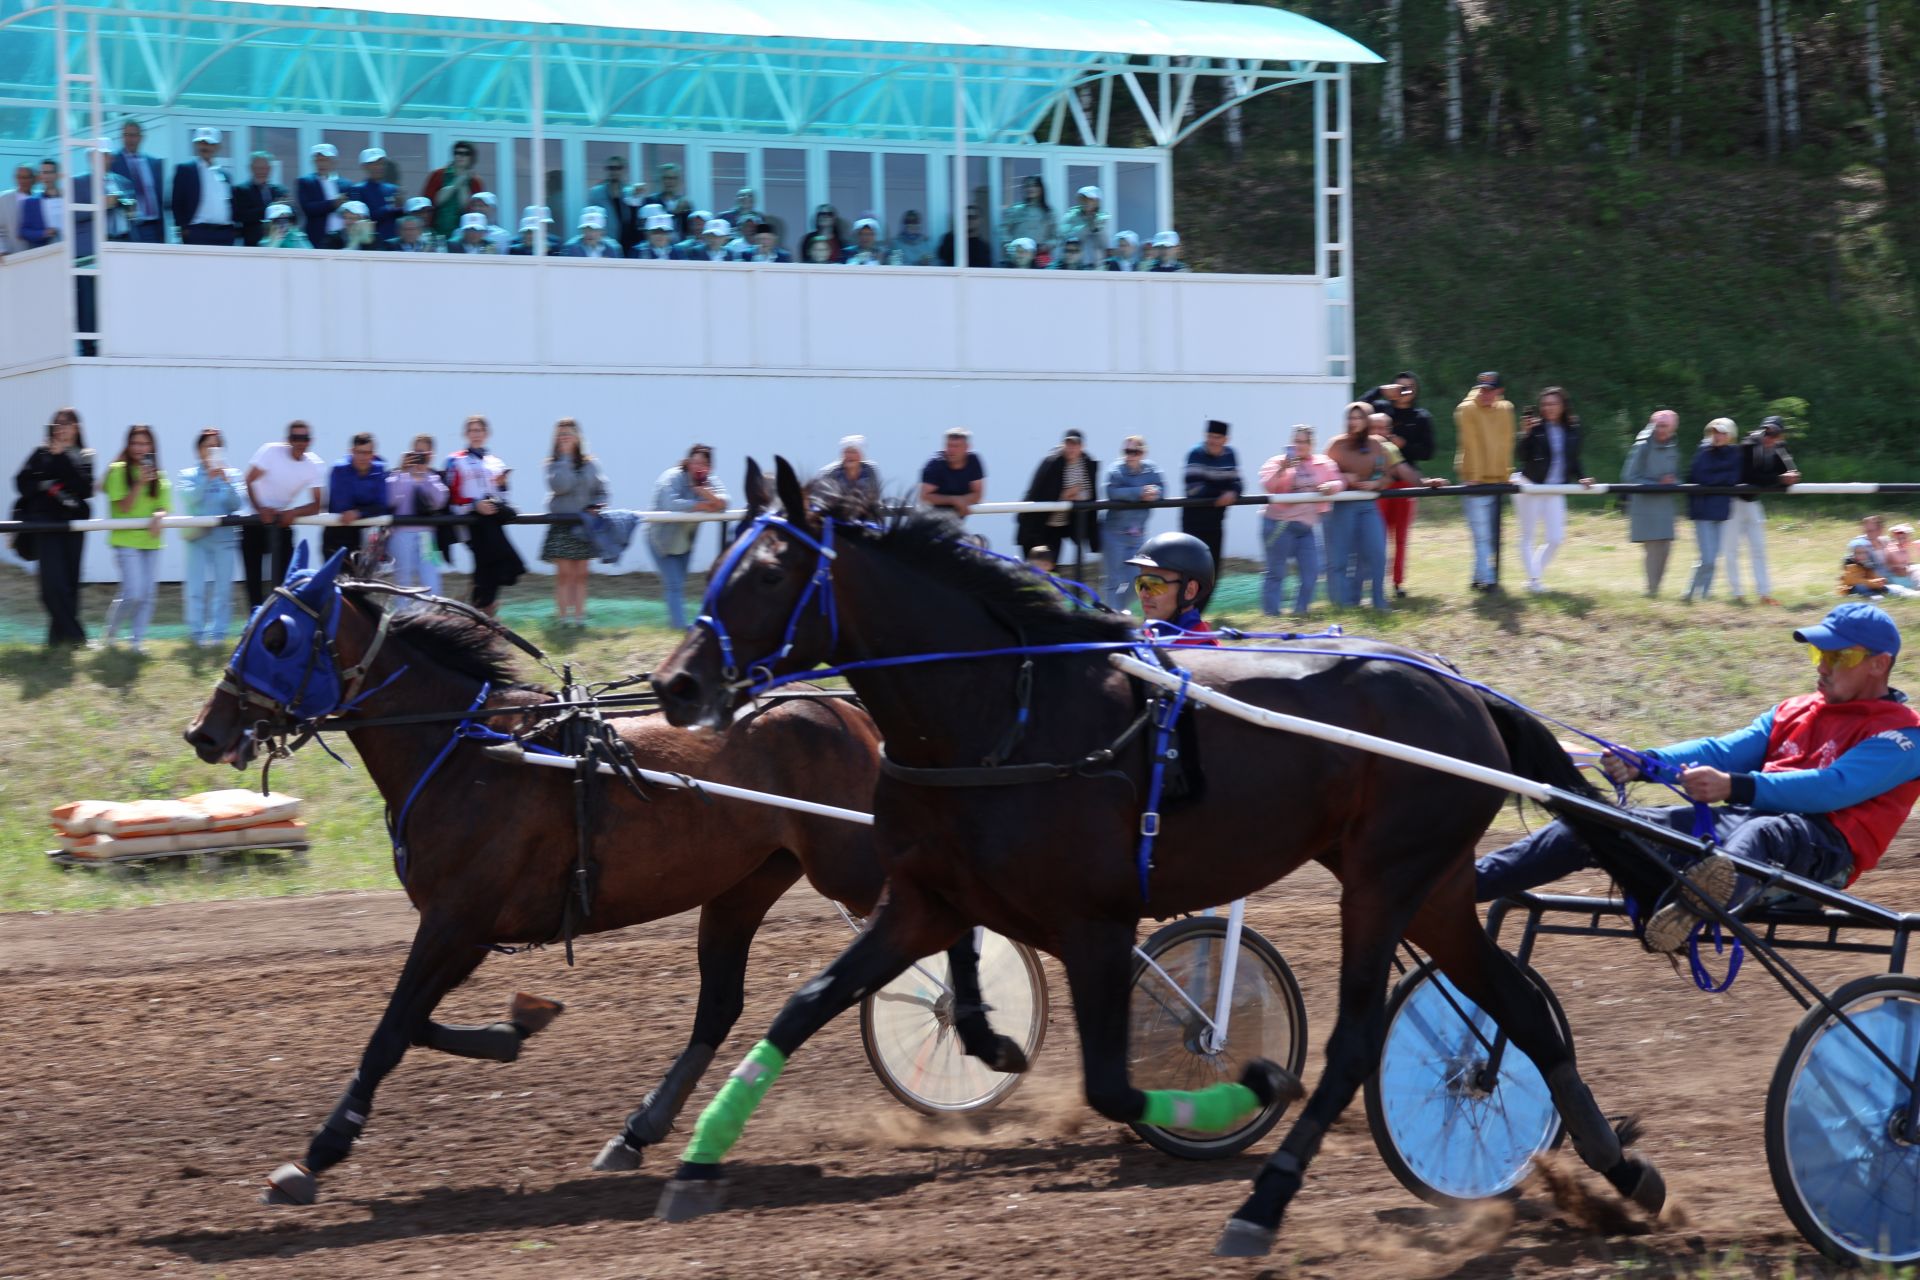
x: 236, y: 819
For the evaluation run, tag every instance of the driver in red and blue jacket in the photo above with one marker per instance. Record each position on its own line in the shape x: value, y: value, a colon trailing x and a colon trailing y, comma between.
x: 1818, y: 785
x: 1174, y: 581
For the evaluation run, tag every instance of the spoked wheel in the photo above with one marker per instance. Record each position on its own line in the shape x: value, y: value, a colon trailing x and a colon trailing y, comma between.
x: 908, y: 1032
x: 1176, y: 990
x: 1447, y: 1128
x: 1844, y: 1158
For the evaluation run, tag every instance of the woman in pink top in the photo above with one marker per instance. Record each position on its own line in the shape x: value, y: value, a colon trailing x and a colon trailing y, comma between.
x: 1289, y: 533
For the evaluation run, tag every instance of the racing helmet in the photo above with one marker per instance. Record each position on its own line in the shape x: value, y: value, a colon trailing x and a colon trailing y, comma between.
x: 1180, y: 553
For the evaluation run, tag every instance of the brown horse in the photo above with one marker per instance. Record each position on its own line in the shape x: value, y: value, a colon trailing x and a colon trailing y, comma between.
x: 490, y: 845
x: 1045, y: 845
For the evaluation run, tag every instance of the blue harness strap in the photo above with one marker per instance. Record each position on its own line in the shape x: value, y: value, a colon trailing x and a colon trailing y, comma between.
x: 397, y: 826
x: 1701, y: 978
x: 1163, y: 752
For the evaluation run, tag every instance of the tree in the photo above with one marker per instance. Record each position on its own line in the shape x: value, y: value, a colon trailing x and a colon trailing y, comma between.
x: 1876, y: 88
x: 1393, y: 98
x: 1456, y: 111
x: 1577, y: 75
x: 1789, y: 73
x: 1770, y: 78
x: 1677, y: 81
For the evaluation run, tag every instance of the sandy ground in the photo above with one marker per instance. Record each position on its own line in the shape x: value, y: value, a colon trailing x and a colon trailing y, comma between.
x: 159, y: 1061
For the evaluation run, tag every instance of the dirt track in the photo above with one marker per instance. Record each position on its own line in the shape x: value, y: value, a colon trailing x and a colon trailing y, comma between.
x: 160, y: 1061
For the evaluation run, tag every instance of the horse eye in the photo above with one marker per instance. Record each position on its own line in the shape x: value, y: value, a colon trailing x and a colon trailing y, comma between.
x: 275, y: 637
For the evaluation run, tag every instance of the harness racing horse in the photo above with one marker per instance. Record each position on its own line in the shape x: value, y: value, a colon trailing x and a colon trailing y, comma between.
x: 1049, y: 857
x: 486, y: 849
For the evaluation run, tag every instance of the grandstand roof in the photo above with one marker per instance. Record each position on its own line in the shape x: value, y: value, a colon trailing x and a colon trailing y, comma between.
x: 871, y: 69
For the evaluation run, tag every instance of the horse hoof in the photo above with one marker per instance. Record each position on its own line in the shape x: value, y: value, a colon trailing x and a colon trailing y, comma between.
x: 1640, y: 1182
x: 618, y: 1157
x: 683, y: 1200
x: 1243, y: 1239
x: 1272, y: 1083
x: 530, y: 1014
x: 1008, y: 1058
x: 291, y: 1184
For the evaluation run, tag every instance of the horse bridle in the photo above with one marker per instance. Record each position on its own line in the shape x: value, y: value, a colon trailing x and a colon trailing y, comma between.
x: 759, y: 673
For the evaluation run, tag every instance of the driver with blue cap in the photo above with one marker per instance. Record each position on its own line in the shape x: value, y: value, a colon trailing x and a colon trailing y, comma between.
x: 1818, y: 785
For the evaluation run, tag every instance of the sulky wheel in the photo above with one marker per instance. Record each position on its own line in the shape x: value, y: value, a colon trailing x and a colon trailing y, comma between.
x: 1843, y: 1153
x: 1176, y: 987
x: 907, y: 1028
x: 1449, y: 1130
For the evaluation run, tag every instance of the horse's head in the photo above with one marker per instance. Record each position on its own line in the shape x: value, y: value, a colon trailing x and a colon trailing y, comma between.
x: 768, y: 609
x: 287, y: 668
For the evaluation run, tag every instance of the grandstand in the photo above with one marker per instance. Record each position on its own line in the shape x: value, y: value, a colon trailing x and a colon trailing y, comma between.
x: 874, y: 106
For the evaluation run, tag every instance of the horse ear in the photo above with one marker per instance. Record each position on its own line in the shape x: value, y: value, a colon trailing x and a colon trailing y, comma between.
x: 322, y: 580
x: 787, y: 484
x: 758, y: 492
x: 299, y: 562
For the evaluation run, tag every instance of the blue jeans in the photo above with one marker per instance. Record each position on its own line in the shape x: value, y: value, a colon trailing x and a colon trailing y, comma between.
x: 1289, y: 541
x: 673, y: 585
x: 1805, y: 844
x: 1708, y: 534
x: 1119, y: 545
x: 413, y: 559
x: 1480, y: 525
x: 1370, y: 555
x: 209, y: 586
x: 1345, y: 535
x: 132, y: 605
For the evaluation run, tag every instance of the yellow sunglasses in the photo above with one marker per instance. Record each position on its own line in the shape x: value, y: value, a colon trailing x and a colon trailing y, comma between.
x: 1147, y: 586
x: 1842, y: 659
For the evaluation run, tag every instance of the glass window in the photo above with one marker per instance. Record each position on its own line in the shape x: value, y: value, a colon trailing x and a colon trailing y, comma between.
x: 1135, y: 198
x: 729, y: 175
x: 351, y: 143
x: 552, y: 193
x: 785, y: 197
x: 289, y: 160
x: 905, y: 176
x: 407, y: 161
x: 1078, y: 176
x: 979, y: 193
x: 850, y: 184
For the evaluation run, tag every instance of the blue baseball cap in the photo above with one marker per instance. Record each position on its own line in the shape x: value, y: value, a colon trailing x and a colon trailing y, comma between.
x: 1853, y: 624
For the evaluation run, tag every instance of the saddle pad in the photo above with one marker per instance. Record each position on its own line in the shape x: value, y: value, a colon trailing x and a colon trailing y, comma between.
x: 239, y: 807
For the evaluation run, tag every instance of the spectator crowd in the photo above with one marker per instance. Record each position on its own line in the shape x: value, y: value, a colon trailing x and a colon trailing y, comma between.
x: 1358, y: 549
x: 204, y: 203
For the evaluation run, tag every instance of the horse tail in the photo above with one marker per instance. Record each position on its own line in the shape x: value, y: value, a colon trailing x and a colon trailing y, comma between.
x: 1534, y: 753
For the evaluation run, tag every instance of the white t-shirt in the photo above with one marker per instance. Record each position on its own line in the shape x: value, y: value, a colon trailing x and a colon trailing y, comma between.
x: 286, y: 480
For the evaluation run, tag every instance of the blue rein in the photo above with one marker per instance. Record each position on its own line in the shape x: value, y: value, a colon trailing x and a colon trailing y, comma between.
x: 819, y: 589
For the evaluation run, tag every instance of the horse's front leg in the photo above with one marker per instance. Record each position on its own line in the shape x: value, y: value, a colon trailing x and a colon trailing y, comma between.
x: 909, y: 925
x: 727, y: 926
x: 440, y: 959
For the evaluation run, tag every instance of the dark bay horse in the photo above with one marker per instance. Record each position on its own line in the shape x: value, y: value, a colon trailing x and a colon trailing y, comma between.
x: 490, y: 845
x: 1052, y: 863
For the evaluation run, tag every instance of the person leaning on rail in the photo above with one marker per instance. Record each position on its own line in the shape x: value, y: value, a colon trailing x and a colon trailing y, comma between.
x: 1818, y: 785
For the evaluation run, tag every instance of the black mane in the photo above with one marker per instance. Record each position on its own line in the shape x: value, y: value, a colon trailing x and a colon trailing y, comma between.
x: 451, y: 639
x: 931, y: 542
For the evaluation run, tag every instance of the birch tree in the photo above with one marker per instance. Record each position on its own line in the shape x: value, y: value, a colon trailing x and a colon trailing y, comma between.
x: 1676, y: 84
x: 1770, y: 78
x: 1456, y: 111
x: 1876, y: 89
x: 1393, y: 103
x: 1789, y: 73
x: 1577, y: 74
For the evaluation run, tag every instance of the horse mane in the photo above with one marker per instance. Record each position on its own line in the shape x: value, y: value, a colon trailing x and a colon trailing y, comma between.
x: 451, y: 639
x: 931, y: 542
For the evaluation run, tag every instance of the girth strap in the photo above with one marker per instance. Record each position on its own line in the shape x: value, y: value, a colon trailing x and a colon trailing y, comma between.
x: 1095, y: 764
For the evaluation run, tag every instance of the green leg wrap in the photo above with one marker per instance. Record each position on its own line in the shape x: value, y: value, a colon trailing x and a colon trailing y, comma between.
x: 1216, y: 1107
x: 720, y: 1124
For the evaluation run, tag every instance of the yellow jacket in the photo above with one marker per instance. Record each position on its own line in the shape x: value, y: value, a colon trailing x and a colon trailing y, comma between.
x: 1485, y: 453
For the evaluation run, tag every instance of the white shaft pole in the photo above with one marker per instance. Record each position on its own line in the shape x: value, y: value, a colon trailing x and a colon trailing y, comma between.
x: 678, y: 783
x: 1196, y: 692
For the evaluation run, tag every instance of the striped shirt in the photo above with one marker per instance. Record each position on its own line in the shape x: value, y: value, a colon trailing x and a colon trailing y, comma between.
x: 1209, y: 476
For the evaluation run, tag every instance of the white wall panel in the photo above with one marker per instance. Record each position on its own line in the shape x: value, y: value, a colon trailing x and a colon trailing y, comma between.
x: 33, y: 321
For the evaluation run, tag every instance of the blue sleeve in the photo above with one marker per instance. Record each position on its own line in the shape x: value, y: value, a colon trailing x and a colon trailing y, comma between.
x: 1743, y: 751
x: 1873, y: 767
x: 339, y: 490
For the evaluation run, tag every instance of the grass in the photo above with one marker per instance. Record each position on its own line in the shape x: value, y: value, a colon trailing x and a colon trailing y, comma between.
x: 1594, y: 652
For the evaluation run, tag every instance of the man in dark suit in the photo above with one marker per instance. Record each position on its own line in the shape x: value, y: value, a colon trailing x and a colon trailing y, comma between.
x: 203, y: 194
x: 147, y: 181
x: 321, y: 194
x: 382, y: 201
x: 623, y: 219
x: 250, y: 200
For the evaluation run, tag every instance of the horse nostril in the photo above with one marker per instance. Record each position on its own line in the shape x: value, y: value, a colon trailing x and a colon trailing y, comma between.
x: 682, y: 688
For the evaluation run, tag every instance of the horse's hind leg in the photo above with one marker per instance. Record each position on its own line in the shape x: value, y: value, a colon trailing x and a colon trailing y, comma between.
x: 1372, y: 916
x: 727, y: 926
x: 1450, y: 932
x: 441, y: 959
x: 908, y: 925
x: 977, y: 1035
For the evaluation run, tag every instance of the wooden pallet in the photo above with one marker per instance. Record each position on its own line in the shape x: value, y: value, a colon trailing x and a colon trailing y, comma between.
x: 201, y: 857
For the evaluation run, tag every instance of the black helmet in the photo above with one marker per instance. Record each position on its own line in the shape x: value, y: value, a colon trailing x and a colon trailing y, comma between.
x: 1180, y: 553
